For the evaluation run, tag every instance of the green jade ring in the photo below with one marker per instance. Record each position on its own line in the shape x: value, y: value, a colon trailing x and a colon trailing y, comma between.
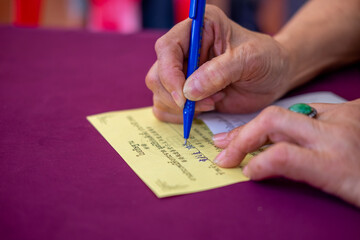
x: 303, y: 109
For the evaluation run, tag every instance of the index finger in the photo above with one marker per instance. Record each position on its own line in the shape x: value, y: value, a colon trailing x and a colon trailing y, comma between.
x: 171, y: 50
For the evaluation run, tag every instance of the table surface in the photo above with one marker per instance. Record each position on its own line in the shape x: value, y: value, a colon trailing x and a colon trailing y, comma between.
x: 59, y: 179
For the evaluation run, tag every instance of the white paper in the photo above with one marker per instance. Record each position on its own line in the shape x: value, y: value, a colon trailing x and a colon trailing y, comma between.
x: 221, y: 122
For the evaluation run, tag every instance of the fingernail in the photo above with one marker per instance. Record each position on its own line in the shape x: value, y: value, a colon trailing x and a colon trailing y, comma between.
x: 246, y: 171
x: 178, y: 99
x: 192, y: 89
x: 219, y: 137
x: 220, y: 158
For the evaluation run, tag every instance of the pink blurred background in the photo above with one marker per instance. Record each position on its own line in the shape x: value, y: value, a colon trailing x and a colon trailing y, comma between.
x: 129, y: 16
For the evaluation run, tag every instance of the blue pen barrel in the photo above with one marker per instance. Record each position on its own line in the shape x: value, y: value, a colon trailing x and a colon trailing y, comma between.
x: 196, y: 35
x: 196, y: 13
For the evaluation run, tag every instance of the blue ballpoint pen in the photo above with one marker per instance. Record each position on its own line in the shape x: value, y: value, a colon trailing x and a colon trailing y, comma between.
x: 196, y: 13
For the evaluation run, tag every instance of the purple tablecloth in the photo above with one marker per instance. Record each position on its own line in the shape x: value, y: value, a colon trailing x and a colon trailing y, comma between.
x: 59, y: 179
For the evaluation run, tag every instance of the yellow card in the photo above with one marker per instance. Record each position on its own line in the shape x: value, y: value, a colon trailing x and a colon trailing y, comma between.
x: 155, y: 151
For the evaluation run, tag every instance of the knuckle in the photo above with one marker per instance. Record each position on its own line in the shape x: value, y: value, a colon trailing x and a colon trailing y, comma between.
x: 151, y: 80
x: 280, y: 155
x: 268, y: 116
x: 235, y: 132
x: 257, y: 169
x: 274, y: 110
x: 212, y: 10
x: 160, y: 43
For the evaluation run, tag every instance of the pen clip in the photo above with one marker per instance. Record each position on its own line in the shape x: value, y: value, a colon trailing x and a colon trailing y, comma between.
x: 193, y: 8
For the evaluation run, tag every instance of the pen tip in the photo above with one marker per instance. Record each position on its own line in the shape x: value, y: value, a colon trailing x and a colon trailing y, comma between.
x: 185, y: 142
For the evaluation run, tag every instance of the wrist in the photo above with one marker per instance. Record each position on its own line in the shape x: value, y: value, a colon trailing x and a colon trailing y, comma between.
x: 297, y: 72
x: 288, y: 65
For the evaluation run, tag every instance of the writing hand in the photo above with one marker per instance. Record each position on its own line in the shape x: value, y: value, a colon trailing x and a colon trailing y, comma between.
x: 242, y: 71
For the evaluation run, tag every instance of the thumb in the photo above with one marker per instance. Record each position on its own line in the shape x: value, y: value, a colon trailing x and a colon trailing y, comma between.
x: 212, y: 77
